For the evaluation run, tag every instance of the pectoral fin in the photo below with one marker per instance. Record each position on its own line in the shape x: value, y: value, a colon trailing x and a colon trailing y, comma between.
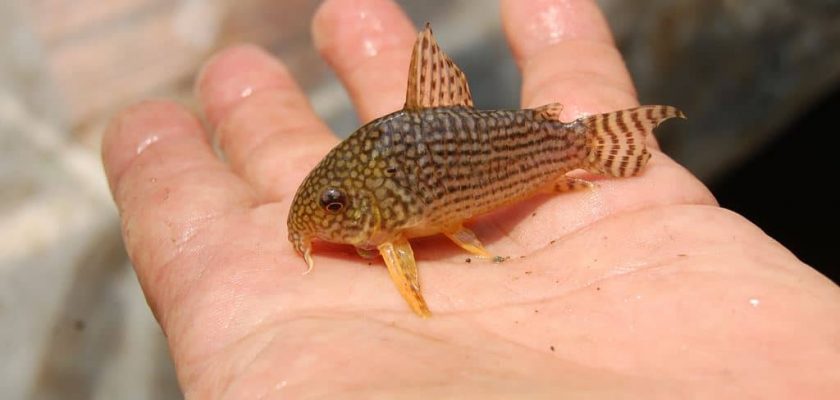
x: 367, y: 253
x: 568, y: 184
x: 403, y: 270
x: 433, y: 79
x: 467, y: 240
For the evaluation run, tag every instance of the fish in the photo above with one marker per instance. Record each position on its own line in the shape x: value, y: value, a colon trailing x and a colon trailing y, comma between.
x: 438, y: 162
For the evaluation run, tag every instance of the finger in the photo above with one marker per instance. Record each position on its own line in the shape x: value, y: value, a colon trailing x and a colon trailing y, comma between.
x: 368, y: 43
x: 167, y: 184
x: 566, y: 53
x: 266, y: 127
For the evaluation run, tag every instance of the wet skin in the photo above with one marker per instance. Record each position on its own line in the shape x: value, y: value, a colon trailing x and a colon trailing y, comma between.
x: 640, y: 289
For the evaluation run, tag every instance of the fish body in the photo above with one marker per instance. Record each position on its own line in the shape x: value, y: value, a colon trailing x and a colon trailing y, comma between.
x: 438, y: 162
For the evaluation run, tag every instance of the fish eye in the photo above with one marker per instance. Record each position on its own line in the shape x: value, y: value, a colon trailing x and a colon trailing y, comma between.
x: 333, y: 200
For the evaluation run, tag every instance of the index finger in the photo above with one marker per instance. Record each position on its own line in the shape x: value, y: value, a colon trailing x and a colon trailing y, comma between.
x: 168, y: 185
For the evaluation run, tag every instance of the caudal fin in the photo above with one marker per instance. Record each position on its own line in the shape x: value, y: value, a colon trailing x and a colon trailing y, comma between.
x: 616, y: 140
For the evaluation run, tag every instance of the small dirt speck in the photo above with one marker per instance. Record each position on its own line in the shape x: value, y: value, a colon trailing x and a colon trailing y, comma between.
x: 534, y: 214
x: 598, y: 288
x: 79, y: 325
x: 468, y: 260
x: 500, y: 259
x: 552, y: 242
x: 682, y: 255
x: 536, y: 311
x: 552, y: 348
x: 528, y: 272
x: 370, y: 263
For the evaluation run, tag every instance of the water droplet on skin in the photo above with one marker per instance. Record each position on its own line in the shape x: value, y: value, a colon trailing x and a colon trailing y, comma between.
x: 755, y: 302
x: 146, y: 143
x: 375, y: 24
x: 550, y: 21
x: 370, y: 48
x: 246, y: 92
x: 371, y: 33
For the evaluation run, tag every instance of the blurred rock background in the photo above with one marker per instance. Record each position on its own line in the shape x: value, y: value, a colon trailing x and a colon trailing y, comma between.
x: 758, y: 80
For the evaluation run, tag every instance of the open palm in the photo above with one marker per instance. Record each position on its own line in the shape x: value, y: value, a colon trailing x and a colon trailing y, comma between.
x: 641, y: 287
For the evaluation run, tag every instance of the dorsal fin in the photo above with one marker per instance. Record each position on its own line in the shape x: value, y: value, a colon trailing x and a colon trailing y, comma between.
x: 433, y: 79
x: 550, y: 111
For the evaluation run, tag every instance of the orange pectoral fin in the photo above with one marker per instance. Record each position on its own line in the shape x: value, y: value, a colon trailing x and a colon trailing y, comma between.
x: 467, y: 240
x: 568, y: 184
x: 403, y: 270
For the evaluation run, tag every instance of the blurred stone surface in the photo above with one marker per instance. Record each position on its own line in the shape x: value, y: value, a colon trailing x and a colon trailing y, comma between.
x: 742, y: 70
x: 73, y: 322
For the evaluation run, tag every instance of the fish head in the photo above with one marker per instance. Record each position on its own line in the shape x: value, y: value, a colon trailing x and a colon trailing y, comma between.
x: 331, y: 206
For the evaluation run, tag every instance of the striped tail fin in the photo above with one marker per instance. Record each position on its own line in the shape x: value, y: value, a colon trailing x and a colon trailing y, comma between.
x: 616, y: 140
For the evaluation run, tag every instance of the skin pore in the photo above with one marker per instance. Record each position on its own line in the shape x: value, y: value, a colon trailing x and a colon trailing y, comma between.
x: 642, y: 288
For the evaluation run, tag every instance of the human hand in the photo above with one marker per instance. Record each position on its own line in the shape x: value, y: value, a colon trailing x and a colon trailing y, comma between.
x: 642, y: 287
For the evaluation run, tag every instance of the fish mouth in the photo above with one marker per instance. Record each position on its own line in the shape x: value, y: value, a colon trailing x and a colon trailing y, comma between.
x: 303, y: 246
x: 300, y: 242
